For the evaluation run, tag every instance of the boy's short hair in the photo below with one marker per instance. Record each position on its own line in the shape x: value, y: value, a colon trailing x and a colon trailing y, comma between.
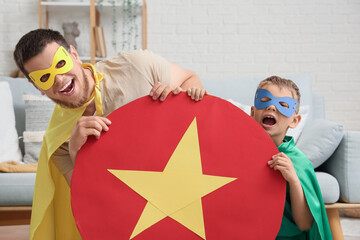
x: 32, y: 43
x: 282, y: 82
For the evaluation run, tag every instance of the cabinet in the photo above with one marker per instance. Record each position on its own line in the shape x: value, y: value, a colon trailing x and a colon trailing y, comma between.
x: 94, y: 18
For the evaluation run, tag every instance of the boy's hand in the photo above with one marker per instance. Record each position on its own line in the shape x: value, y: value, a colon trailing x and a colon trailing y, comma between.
x: 85, y: 127
x: 161, y: 91
x: 196, y: 93
x: 281, y: 162
x: 299, y: 207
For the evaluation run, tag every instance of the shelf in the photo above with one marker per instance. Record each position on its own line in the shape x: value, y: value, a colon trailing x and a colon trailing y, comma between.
x: 78, y: 4
x: 88, y: 58
x: 67, y: 4
x: 94, y: 8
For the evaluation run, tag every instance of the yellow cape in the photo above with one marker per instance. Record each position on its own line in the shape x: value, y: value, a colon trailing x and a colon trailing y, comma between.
x: 52, y: 216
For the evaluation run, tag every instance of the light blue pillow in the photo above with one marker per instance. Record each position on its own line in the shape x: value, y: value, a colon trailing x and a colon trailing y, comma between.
x: 329, y: 187
x: 344, y: 164
x: 319, y: 140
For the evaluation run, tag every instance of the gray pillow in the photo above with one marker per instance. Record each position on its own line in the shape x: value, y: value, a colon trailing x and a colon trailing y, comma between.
x: 319, y: 139
x: 38, y: 111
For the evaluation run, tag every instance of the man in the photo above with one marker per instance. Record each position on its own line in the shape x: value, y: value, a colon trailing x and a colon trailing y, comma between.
x: 81, y: 90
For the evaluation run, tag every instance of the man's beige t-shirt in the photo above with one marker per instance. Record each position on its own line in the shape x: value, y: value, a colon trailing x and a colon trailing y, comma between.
x: 127, y: 76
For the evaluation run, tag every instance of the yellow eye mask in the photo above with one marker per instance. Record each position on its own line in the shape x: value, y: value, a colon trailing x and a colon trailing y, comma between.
x: 62, y: 63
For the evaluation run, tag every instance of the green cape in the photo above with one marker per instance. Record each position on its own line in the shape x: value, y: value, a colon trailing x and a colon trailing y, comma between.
x: 305, y: 172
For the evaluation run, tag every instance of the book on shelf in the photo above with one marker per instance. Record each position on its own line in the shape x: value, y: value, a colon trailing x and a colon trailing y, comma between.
x: 100, y: 47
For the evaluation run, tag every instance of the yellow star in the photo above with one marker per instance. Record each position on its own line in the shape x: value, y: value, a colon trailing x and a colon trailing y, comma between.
x: 176, y: 192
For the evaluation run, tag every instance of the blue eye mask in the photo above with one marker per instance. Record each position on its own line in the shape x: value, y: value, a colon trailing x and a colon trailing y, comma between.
x: 285, y: 105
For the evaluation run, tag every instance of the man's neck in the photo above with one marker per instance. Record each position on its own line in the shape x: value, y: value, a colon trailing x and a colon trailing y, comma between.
x: 90, y: 109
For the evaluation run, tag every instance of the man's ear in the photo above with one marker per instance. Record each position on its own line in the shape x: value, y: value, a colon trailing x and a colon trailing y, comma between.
x: 75, y: 54
x: 296, y: 120
x: 252, y: 113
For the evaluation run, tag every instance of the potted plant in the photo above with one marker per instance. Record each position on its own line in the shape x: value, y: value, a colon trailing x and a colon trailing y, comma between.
x: 130, y: 29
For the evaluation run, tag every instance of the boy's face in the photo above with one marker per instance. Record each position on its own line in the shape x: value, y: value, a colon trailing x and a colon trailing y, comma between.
x: 71, y: 88
x: 275, y: 123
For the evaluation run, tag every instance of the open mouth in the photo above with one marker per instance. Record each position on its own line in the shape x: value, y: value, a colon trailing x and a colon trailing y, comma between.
x: 68, y: 88
x: 269, y: 121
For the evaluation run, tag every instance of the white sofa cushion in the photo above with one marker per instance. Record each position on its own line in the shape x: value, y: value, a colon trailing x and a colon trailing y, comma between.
x: 304, y: 111
x: 9, y: 146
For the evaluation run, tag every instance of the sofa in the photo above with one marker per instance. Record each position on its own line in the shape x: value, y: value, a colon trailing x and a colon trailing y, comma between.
x: 16, y: 188
x: 333, y: 152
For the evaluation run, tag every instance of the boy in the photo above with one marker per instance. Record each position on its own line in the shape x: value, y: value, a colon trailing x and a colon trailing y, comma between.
x: 276, y: 109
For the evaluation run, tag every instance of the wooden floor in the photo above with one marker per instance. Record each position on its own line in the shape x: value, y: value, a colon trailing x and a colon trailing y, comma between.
x: 17, y: 232
x: 21, y: 232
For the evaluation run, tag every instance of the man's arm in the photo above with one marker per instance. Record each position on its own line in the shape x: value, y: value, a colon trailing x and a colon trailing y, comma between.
x: 85, y: 127
x: 183, y: 78
x: 68, y: 176
x: 180, y: 79
x: 61, y: 159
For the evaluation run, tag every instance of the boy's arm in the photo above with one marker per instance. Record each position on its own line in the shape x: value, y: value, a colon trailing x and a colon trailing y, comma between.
x: 299, y: 207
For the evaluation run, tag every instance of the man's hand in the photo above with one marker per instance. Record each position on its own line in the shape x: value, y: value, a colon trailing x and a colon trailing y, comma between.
x: 282, y: 163
x: 160, y: 91
x: 85, y: 127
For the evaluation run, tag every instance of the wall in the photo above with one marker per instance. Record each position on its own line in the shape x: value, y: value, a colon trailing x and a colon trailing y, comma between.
x: 16, y: 18
x: 247, y: 38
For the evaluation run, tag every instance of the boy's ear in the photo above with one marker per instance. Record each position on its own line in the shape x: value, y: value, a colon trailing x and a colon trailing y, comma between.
x: 252, y: 113
x: 296, y: 120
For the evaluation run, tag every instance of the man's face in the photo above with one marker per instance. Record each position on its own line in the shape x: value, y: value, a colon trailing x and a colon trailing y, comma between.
x: 275, y: 123
x: 70, y: 89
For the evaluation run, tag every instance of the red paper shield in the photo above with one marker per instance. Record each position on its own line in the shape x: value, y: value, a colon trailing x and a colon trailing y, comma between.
x: 143, y: 136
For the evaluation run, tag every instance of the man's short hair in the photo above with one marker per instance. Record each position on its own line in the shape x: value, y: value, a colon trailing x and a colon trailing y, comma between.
x: 282, y: 82
x: 33, y: 43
